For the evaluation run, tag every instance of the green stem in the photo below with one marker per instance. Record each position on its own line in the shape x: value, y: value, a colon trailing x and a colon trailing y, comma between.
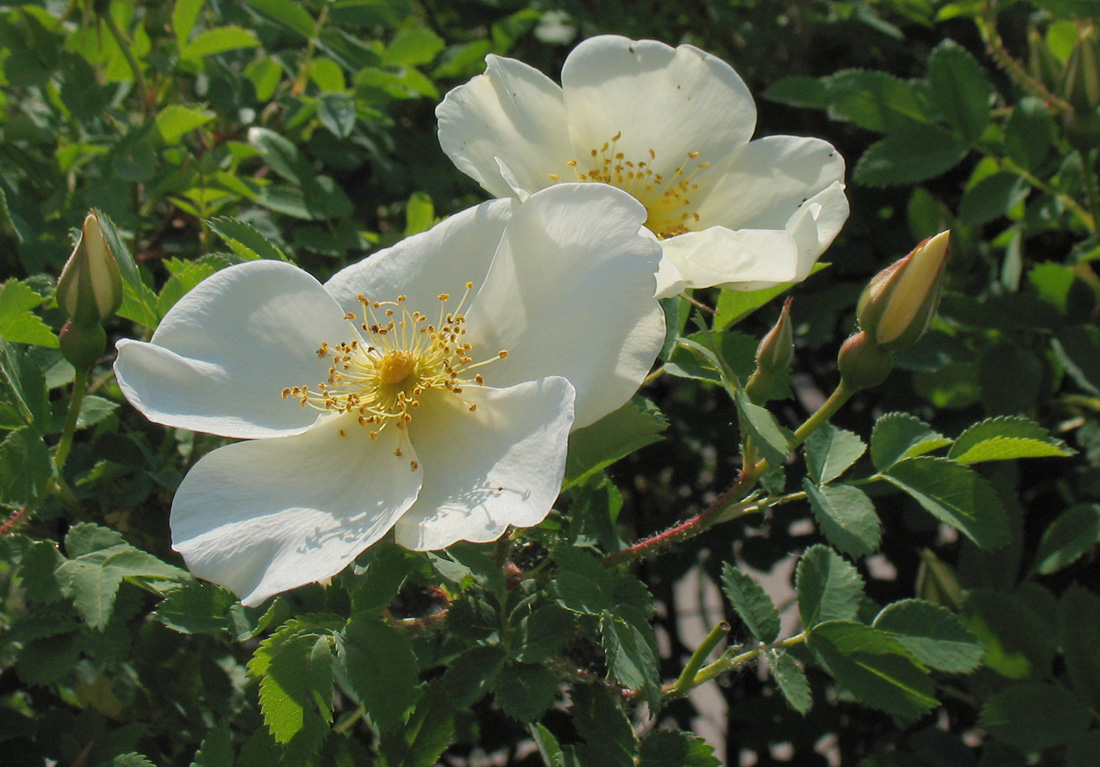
x: 683, y: 684
x: 349, y: 721
x: 80, y: 384
x: 841, y: 394
x: 1086, y: 218
x: 729, y: 662
x: 124, y: 45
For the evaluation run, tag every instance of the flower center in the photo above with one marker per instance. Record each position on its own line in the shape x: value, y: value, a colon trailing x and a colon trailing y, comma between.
x: 667, y: 199
x: 394, y: 358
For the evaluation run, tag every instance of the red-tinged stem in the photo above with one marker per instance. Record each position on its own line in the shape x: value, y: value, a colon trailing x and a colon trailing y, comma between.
x: 682, y: 531
x: 16, y: 519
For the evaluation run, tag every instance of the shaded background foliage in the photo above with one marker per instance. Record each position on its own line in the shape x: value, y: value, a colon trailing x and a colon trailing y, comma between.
x: 212, y: 132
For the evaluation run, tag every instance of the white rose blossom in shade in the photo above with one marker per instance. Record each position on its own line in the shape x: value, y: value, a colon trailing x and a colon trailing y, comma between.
x: 429, y: 389
x: 671, y: 126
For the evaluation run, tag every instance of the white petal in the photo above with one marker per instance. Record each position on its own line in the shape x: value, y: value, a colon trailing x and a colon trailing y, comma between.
x: 512, y: 112
x: 571, y: 293
x: 270, y: 515
x: 764, y: 184
x: 669, y: 280
x: 671, y: 100
x: 441, y: 260
x: 223, y: 354
x: 816, y: 223
x: 732, y: 259
x: 486, y: 470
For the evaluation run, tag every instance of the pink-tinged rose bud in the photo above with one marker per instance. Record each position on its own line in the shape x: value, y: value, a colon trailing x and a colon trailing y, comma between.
x: 1081, y: 88
x: 90, y: 286
x: 897, y: 305
x: 773, y: 357
x: 863, y: 363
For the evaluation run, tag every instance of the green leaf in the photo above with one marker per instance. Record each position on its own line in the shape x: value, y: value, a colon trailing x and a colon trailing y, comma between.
x: 425, y: 736
x: 672, y: 748
x: 846, y: 517
x: 381, y: 670
x: 337, y: 113
x: 27, y: 385
x: 1068, y: 537
x: 798, y: 91
x: 18, y: 324
x: 412, y: 47
x: 954, y: 494
x: 609, y: 740
x: 1078, y: 348
x: 93, y: 410
x: 419, y: 213
x: 25, y: 467
x: 524, y: 691
x: 131, y: 759
x: 900, y: 435
x: 630, y: 428
x: 906, y: 158
x: 873, y: 100
x: 772, y: 440
x: 216, y: 749
x: 630, y: 648
x: 245, y: 240
x: 752, y: 603
x: 1034, y: 716
x: 184, y: 15
x: 135, y: 158
x: 583, y: 584
x: 197, y: 608
x: 992, y: 197
x: 265, y: 74
x: 389, y: 567
x: 289, y: 14
x: 959, y: 89
x: 123, y: 257
x: 282, y: 156
x: 540, y: 632
x: 1029, y: 133
x: 791, y: 680
x: 549, y: 748
x: 1018, y: 643
x: 734, y: 305
x: 176, y: 121
x: 471, y: 675
x: 1079, y: 636
x: 1005, y: 438
x: 933, y: 635
x: 215, y: 41
x: 830, y: 452
x: 829, y: 588
x: 874, y: 668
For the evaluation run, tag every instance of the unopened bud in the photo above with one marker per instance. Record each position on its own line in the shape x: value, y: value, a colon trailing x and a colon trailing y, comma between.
x: 1041, y: 61
x: 773, y: 357
x: 90, y: 286
x: 1081, y: 80
x: 82, y: 345
x: 899, y: 302
x: 863, y: 363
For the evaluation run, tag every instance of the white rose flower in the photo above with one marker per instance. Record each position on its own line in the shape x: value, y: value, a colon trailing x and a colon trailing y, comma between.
x: 430, y: 388
x: 671, y: 126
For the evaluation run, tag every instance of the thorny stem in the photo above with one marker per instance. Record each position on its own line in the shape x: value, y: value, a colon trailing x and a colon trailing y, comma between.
x: 720, y: 510
x: 729, y: 661
x: 987, y: 27
x: 17, y: 518
x: 682, y: 531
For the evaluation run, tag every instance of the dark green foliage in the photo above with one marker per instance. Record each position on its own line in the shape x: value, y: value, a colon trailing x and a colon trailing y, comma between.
x: 936, y: 570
